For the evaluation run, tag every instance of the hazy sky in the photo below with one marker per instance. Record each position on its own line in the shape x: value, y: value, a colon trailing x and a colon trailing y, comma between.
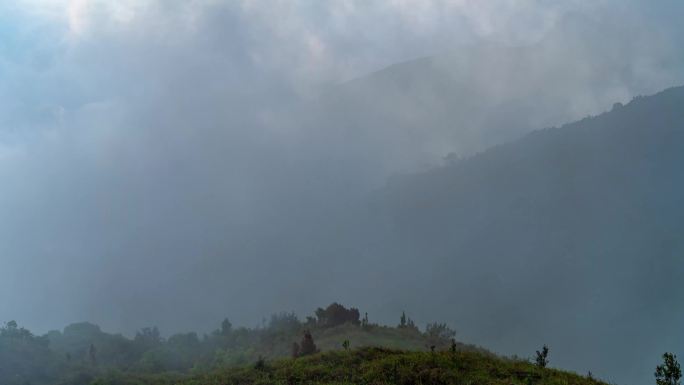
x: 140, y: 139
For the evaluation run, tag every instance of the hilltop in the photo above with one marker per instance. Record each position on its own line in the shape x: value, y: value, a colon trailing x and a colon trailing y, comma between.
x: 82, y: 352
x: 375, y: 366
x: 336, y: 346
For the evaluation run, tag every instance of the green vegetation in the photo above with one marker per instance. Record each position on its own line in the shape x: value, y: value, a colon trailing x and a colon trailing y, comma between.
x: 82, y: 353
x: 542, y: 358
x: 669, y: 373
x: 376, y: 366
x: 335, y: 347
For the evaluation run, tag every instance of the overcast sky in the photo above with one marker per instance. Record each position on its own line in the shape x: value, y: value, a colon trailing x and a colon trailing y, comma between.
x: 138, y: 137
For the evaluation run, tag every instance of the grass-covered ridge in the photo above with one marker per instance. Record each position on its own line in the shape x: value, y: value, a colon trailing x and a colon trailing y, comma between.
x: 337, y: 346
x: 377, y: 366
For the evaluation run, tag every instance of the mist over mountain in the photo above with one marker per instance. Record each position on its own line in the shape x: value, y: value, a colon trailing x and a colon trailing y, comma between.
x: 568, y: 236
x: 171, y: 164
x: 312, y: 222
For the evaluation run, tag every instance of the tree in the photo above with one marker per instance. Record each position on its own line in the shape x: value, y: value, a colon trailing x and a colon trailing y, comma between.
x: 402, y: 320
x: 26, y: 358
x: 284, y: 322
x: 542, y: 359
x: 307, y: 345
x: 336, y: 314
x: 92, y: 354
x: 669, y: 373
x: 226, y: 327
x: 11, y: 326
x: 147, y: 339
x: 260, y: 364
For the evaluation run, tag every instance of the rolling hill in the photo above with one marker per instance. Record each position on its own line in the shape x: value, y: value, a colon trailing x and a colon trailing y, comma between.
x: 374, y: 366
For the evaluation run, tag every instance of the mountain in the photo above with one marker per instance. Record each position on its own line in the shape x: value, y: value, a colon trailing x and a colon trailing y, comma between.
x: 567, y: 236
x: 464, y: 102
x: 570, y: 236
x: 566, y: 232
x: 284, y: 207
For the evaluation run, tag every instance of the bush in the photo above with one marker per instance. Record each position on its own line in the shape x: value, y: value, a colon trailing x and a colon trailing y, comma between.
x: 439, y: 334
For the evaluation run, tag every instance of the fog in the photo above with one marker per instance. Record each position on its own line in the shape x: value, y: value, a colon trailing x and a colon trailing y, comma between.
x: 171, y: 163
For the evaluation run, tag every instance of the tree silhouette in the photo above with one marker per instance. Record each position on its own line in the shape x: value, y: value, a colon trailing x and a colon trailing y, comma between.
x: 307, y: 345
x: 336, y: 314
x: 226, y: 327
x: 669, y: 373
x: 542, y: 357
x: 92, y: 353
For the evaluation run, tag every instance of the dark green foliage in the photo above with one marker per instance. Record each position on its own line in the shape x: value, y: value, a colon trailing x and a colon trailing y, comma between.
x: 85, y: 355
x: 307, y: 346
x: 112, y: 350
x: 336, y: 314
x: 26, y: 359
x: 148, y: 337
x: 179, y: 353
x: 260, y: 364
x: 669, y: 373
x: 226, y: 327
x: 385, y: 367
x: 542, y: 357
x: 406, y: 322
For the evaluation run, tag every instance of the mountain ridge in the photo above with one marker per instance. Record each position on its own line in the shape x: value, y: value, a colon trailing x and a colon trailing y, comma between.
x: 513, y: 231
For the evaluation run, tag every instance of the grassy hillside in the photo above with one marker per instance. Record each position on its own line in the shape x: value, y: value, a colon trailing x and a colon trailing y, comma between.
x: 375, y: 335
x: 376, y: 366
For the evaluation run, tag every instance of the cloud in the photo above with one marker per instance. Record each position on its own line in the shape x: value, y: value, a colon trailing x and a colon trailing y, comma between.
x: 176, y: 162
x: 149, y: 143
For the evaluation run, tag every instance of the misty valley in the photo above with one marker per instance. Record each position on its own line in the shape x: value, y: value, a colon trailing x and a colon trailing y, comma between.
x: 367, y: 192
x: 449, y: 206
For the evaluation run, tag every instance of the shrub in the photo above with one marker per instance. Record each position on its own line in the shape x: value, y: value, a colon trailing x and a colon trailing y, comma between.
x: 439, y: 333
